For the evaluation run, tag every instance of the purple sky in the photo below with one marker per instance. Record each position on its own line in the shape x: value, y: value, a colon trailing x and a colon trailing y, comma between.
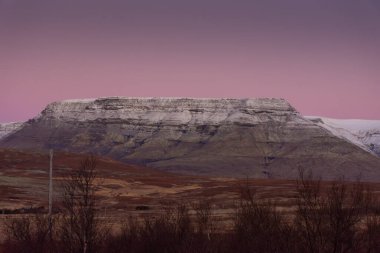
x: 323, y: 56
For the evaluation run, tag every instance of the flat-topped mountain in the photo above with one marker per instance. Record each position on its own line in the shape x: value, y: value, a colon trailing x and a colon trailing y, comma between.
x: 221, y: 137
x: 176, y: 111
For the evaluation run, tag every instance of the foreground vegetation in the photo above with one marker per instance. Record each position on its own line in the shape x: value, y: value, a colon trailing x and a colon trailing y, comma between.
x: 343, y: 217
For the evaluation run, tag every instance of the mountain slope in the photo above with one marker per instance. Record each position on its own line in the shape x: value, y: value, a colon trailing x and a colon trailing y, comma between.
x: 364, y: 133
x: 222, y: 137
x: 9, y: 128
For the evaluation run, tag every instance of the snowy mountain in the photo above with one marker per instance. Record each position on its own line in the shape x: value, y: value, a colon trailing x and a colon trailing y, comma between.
x: 9, y: 128
x: 260, y: 138
x: 364, y: 133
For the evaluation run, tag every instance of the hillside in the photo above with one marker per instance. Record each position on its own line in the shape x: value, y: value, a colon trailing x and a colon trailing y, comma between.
x: 259, y: 138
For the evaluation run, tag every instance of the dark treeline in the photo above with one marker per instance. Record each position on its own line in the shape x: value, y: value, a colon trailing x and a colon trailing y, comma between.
x: 336, y: 218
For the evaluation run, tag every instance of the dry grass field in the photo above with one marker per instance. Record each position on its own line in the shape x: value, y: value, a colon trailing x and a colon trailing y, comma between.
x: 130, y: 190
x: 122, y: 187
x: 240, y: 209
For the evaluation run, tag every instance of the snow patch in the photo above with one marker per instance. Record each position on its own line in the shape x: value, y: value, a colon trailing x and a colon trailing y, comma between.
x: 171, y: 110
x: 363, y: 133
x: 9, y: 128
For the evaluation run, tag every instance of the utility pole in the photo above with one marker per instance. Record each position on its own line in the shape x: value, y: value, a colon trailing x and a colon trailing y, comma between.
x: 50, y: 191
x: 51, y: 183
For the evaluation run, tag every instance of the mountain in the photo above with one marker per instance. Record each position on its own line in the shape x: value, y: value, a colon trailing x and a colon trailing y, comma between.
x: 364, y: 133
x: 9, y: 128
x: 261, y: 138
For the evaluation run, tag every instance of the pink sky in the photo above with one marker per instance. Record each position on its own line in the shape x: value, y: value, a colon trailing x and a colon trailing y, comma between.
x: 323, y: 58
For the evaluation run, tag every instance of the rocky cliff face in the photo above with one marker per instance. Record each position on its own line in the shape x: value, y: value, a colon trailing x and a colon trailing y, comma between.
x: 221, y: 137
x: 9, y: 128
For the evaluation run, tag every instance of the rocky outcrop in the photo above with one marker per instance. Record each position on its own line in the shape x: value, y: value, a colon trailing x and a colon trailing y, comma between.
x: 221, y: 137
x: 9, y: 128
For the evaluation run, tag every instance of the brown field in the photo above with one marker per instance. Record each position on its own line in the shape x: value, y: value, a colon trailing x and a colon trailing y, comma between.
x: 126, y: 189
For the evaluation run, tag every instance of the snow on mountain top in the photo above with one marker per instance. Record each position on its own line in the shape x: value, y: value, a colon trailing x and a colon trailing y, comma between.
x: 169, y: 103
x: 82, y: 100
x: 353, y: 125
x: 85, y: 100
x: 6, y: 124
x: 150, y: 110
x: 364, y: 133
x: 8, y: 128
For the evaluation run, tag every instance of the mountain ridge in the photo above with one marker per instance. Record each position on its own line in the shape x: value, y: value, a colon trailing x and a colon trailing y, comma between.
x: 261, y: 138
x: 364, y: 133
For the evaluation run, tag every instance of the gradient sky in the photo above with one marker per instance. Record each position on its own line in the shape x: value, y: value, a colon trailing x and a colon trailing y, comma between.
x: 323, y: 56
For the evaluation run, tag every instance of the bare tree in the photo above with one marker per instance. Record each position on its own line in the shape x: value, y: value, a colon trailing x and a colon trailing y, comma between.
x: 330, y: 222
x: 28, y: 234
x: 259, y: 227
x: 80, y: 227
x: 203, y: 217
x: 309, y: 218
x: 371, y: 234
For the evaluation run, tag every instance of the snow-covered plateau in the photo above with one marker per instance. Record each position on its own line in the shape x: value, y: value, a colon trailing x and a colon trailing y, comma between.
x: 176, y: 111
x: 255, y: 137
